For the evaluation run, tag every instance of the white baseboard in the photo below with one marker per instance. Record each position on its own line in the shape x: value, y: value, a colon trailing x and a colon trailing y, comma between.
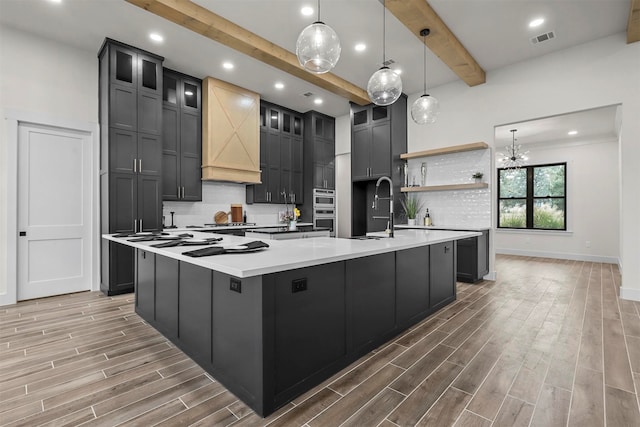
x: 493, y: 275
x: 560, y: 255
x: 630, y: 293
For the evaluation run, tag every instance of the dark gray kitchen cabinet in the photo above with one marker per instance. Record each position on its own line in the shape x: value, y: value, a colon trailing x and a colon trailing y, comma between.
x: 166, y: 294
x: 319, y: 157
x: 442, y: 280
x: 181, y: 137
x: 194, y: 311
x: 412, y: 285
x: 378, y: 137
x: 145, y: 284
x: 281, y: 157
x: 319, y: 307
x: 130, y: 113
x: 371, y: 298
x: 473, y: 258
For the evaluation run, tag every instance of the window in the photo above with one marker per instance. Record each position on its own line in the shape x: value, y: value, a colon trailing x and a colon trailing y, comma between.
x: 533, y: 197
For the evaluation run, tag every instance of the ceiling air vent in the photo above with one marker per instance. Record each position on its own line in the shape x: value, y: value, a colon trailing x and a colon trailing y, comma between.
x: 308, y: 94
x: 543, y: 37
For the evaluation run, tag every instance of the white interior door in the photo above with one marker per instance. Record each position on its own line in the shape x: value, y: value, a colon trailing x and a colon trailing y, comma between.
x: 54, y: 211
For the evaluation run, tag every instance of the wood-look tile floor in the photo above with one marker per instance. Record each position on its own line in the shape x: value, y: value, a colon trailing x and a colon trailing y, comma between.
x: 548, y: 344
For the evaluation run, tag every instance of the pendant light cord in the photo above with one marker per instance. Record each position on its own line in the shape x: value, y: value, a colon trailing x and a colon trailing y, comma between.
x: 424, y: 53
x: 384, y: 32
x: 319, y: 11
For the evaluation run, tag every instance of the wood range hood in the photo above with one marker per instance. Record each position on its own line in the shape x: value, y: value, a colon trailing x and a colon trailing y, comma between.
x: 230, y: 133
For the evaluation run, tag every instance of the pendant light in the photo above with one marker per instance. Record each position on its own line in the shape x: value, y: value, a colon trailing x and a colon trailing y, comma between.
x: 426, y: 108
x: 385, y: 86
x: 513, y: 158
x: 318, y: 47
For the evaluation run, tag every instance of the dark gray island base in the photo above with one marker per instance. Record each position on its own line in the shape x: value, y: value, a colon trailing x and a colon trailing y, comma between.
x: 271, y: 337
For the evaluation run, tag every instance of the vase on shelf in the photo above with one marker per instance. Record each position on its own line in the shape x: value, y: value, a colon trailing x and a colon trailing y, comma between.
x: 411, y: 221
x: 293, y: 225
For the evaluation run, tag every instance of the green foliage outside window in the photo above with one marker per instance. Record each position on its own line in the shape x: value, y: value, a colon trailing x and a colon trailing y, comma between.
x: 533, y: 197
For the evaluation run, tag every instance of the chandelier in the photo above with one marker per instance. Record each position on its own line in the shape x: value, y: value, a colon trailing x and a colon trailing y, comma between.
x: 426, y: 108
x: 385, y: 85
x: 514, y: 158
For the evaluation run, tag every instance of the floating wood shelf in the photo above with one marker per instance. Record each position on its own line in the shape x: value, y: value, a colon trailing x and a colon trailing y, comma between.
x: 474, y: 186
x: 447, y: 150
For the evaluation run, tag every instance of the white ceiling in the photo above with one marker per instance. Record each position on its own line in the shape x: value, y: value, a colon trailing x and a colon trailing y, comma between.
x: 494, y: 31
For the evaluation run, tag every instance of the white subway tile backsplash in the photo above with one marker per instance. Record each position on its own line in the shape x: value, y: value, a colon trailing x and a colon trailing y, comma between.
x: 218, y: 196
x: 459, y: 208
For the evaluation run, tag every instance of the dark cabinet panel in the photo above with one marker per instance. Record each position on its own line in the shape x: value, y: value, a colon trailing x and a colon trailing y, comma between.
x: 309, y: 323
x: 145, y: 284
x: 123, y: 193
x: 149, y: 113
x: 122, y: 108
x: 182, y: 122
x: 149, y: 210
x: 380, y: 162
x: 194, y: 312
x: 149, y: 155
x: 318, y: 158
x: 166, y: 293
x: 361, y: 153
x: 131, y: 152
x: 371, y: 296
x: 443, y: 278
x: 412, y: 285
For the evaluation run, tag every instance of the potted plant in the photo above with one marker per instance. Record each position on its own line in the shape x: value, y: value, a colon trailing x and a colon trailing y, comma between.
x: 412, y: 205
x: 477, y: 176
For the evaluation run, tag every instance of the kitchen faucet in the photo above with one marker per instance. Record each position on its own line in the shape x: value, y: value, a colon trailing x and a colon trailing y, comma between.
x: 390, y: 198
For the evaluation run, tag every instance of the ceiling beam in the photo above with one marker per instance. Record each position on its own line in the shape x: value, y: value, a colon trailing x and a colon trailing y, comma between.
x: 633, y: 25
x: 202, y: 21
x: 417, y: 15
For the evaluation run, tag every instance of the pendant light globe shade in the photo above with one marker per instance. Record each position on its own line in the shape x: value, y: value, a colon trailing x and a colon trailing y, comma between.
x: 318, y: 48
x: 384, y: 87
x: 425, y: 110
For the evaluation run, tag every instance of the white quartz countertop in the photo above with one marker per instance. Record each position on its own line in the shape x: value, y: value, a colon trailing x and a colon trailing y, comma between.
x: 232, y: 227
x: 298, y: 253
x: 440, y: 227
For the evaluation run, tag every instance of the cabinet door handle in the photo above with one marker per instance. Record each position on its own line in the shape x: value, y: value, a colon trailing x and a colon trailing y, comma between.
x: 140, y: 165
x: 135, y: 225
x: 446, y: 249
x: 183, y: 192
x: 178, y: 192
x: 135, y: 165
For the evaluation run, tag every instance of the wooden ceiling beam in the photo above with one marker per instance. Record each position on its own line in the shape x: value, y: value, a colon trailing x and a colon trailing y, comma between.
x: 202, y: 21
x: 633, y: 25
x: 417, y: 15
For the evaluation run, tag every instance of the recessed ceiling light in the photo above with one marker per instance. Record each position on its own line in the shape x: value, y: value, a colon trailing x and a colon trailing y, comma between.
x: 55, y: 1
x: 279, y: 85
x: 227, y: 65
x: 536, y: 22
x: 360, y: 47
x: 156, y: 37
x: 317, y: 101
x: 306, y: 11
x: 572, y: 132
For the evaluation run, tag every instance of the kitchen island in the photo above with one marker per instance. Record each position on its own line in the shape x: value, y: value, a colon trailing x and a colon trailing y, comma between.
x: 272, y: 324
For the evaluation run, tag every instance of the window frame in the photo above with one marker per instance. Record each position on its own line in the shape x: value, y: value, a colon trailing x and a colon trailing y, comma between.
x: 530, y: 200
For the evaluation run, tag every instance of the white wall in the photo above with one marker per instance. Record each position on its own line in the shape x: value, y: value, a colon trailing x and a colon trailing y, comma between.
x: 593, y: 206
x: 595, y: 74
x: 51, y: 80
